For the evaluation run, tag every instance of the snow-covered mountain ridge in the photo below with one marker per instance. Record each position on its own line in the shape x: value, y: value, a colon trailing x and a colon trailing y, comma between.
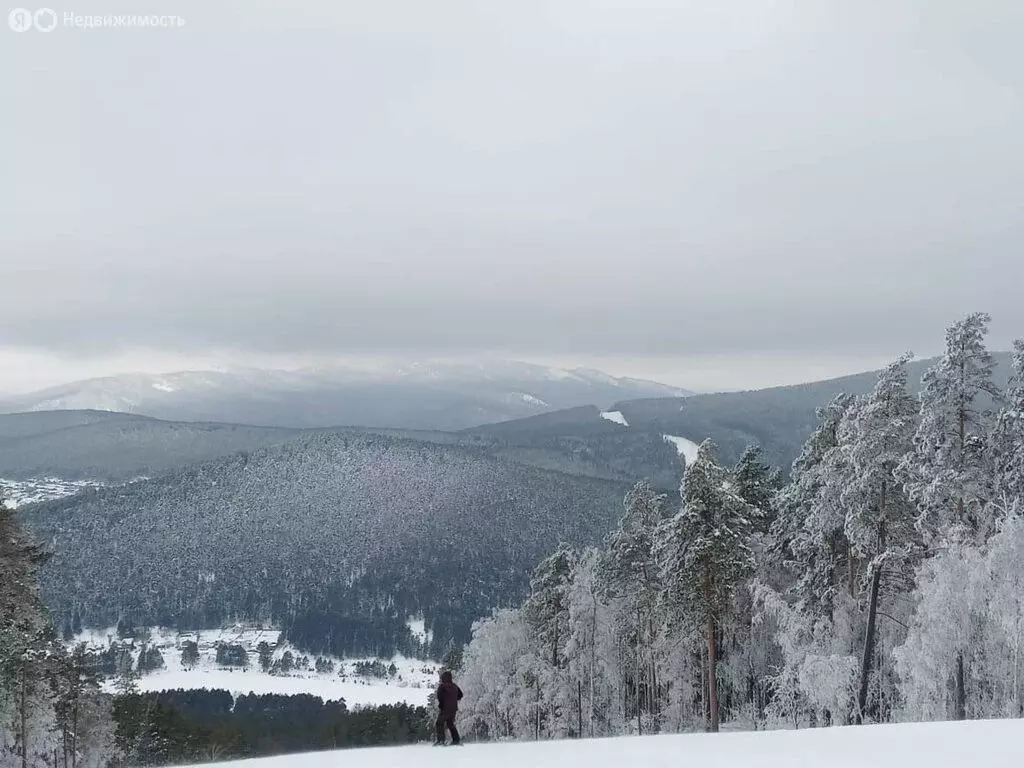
x: 421, y: 395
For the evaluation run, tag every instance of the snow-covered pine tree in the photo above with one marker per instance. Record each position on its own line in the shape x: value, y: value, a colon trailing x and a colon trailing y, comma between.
x: 547, y: 613
x: 25, y: 642
x: 39, y: 688
x: 949, y: 474
x: 630, y: 573
x: 814, y: 628
x: 594, y: 650
x: 746, y: 670
x: 879, y: 517
x: 704, y: 552
x: 809, y: 531
x: 547, y: 608
x: 758, y: 484
x: 1008, y: 438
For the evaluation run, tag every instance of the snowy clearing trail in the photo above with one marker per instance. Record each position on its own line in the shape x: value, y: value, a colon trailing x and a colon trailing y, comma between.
x: 615, y: 417
x: 687, y: 448
x: 988, y: 743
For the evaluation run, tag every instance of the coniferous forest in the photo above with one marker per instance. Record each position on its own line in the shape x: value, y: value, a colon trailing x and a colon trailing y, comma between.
x: 175, y: 727
x: 336, y: 538
x: 882, y: 582
x: 878, y: 580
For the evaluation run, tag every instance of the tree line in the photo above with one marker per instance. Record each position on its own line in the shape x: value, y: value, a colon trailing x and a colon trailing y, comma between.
x: 882, y: 582
x: 51, y: 710
x: 184, y: 726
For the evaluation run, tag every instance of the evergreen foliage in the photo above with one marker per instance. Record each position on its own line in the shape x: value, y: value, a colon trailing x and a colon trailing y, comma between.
x: 337, y: 538
x: 176, y: 727
x: 883, y: 584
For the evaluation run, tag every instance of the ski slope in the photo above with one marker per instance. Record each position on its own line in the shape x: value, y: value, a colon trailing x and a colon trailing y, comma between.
x: 986, y: 744
x: 687, y: 448
x: 615, y: 417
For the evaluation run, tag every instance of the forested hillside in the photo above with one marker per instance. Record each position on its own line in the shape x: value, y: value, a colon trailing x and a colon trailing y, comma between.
x: 777, y: 419
x: 339, y: 538
x: 579, y: 441
x: 102, y: 445
x: 115, y: 447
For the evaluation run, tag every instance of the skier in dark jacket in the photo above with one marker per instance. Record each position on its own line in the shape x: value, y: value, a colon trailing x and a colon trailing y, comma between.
x: 448, y: 697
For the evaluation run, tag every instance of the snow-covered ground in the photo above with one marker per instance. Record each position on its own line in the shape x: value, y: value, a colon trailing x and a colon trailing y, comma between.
x: 411, y: 683
x: 615, y: 416
x: 329, y: 687
x: 16, y: 493
x: 687, y: 448
x: 988, y: 744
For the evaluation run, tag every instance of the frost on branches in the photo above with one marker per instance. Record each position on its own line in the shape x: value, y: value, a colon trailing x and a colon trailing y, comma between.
x: 949, y: 473
x: 1008, y: 438
x: 970, y: 612
x: 883, y: 582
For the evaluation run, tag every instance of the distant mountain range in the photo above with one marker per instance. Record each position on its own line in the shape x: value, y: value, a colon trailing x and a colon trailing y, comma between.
x: 431, y: 396
x: 114, y: 447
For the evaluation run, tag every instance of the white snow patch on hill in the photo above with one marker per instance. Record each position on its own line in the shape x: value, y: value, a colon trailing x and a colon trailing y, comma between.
x: 988, y: 743
x: 412, y: 682
x: 687, y: 448
x: 16, y: 493
x: 615, y: 416
x: 418, y: 628
x: 534, y: 400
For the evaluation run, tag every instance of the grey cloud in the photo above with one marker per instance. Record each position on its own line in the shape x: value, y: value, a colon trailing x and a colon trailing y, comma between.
x: 566, y: 178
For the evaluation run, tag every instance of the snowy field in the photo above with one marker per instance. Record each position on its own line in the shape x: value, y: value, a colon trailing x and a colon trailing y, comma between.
x: 412, y: 682
x: 355, y: 691
x: 986, y: 744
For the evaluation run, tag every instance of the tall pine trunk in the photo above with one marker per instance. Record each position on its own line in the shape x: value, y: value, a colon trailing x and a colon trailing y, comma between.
x: 869, y: 645
x: 24, y: 716
x: 960, y: 704
x: 593, y: 663
x: 636, y: 683
x: 869, y: 635
x: 712, y: 652
x: 579, y: 709
x: 960, y: 694
x: 712, y: 676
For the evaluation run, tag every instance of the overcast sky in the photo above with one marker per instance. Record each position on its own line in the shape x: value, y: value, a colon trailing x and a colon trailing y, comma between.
x: 716, y: 194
